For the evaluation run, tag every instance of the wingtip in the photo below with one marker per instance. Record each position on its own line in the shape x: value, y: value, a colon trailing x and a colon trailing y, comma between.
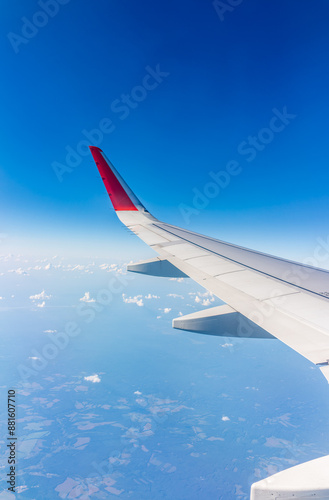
x: 93, y: 148
x: 122, y: 197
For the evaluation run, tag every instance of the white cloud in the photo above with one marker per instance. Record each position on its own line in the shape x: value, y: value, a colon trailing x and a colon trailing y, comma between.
x: 138, y: 300
x: 227, y: 345
x: 138, y: 393
x: 93, y: 378
x: 78, y: 267
x: 40, y: 296
x: 109, y: 267
x: 204, y: 298
x: 175, y: 295
x: 166, y: 310
x: 48, y: 266
x: 34, y: 357
x: 49, y: 331
x: 149, y: 296
x: 86, y: 298
x: 1, y: 298
x: 19, y: 271
x: 225, y: 418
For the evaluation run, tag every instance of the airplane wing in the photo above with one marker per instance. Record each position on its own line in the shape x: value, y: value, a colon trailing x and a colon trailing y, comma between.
x: 265, y: 297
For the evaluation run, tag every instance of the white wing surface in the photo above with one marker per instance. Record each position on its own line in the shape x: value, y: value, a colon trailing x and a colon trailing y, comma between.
x: 287, y: 300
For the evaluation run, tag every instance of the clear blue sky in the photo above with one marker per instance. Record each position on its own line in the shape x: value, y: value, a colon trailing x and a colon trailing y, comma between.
x: 224, y: 79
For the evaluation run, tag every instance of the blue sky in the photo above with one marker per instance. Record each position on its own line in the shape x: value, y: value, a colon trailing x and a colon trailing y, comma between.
x: 223, y: 80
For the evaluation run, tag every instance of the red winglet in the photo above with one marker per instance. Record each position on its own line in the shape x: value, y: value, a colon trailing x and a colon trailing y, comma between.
x: 115, y: 186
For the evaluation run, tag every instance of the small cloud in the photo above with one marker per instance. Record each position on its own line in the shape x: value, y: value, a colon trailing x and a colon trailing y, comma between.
x: 40, y: 296
x: 49, y: 331
x: 225, y: 418
x: 227, y: 345
x: 78, y: 267
x: 48, y: 266
x: 19, y: 271
x: 138, y: 393
x: 149, y: 296
x: 34, y: 357
x: 42, y: 304
x: 93, y: 378
x: 166, y: 310
x: 109, y: 267
x: 138, y: 300
x: 86, y: 298
x: 204, y: 298
x: 1, y: 298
